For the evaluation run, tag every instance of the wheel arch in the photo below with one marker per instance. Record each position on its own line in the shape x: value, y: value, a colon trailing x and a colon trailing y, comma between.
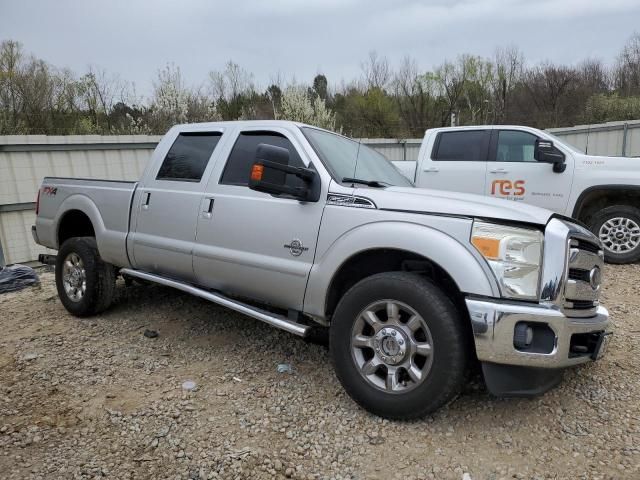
x: 74, y: 223
x: 412, y: 247
x: 598, y: 197
x: 80, y: 208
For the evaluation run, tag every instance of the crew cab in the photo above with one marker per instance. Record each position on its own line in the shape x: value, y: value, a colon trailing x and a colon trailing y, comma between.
x: 305, y: 229
x: 528, y: 165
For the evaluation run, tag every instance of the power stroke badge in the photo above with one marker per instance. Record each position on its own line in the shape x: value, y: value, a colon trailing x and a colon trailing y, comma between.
x: 296, y: 247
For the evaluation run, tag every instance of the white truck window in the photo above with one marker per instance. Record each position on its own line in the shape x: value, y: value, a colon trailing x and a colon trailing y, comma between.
x: 461, y: 146
x: 515, y: 146
x: 188, y: 157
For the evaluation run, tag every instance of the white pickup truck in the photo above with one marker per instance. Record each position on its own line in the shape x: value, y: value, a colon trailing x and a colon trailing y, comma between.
x: 527, y: 165
x: 302, y: 228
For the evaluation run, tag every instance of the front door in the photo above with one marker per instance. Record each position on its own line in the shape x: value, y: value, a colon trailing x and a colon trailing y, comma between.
x: 514, y: 174
x: 457, y: 162
x: 168, y: 203
x: 253, y: 244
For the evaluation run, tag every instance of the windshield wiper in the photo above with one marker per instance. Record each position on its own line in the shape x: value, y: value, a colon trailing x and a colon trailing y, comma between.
x: 369, y: 183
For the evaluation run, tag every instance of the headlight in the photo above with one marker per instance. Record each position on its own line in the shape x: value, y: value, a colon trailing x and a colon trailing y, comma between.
x: 514, y: 255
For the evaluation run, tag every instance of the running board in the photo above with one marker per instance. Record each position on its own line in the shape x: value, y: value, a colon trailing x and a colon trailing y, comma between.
x: 272, y: 319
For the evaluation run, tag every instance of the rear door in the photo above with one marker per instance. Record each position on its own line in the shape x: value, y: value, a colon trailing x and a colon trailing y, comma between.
x: 513, y: 173
x: 254, y: 244
x: 168, y: 203
x: 457, y: 162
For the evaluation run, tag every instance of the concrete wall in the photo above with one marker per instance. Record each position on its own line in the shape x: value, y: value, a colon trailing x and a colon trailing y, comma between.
x: 25, y: 160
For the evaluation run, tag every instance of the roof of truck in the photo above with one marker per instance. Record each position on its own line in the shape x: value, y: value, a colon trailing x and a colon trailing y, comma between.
x: 245, y: 123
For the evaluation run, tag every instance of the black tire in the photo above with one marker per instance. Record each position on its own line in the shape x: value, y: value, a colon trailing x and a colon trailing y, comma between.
x: 609, y: 213
x: 446, y: 376
x: 99, y: 277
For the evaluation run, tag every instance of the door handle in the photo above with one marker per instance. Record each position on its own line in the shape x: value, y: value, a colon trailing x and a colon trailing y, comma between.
x: 208, y: 208
x: 147, y: 198
x: 499, y: 170
x: 431, y: 170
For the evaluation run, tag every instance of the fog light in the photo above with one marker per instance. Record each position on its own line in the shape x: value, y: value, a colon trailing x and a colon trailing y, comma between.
x: 522, y: 336
x: 534, y: 337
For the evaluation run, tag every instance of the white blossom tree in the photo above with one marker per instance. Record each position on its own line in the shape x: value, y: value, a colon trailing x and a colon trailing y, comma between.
x: 298, y: 106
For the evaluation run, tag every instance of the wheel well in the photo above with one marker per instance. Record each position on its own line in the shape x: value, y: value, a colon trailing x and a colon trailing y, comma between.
x: 74, y: 224
x: 375, y: 261
x: 596, y: 200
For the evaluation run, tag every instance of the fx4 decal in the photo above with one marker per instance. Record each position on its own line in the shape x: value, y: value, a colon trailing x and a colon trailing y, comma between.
x: 50, y: 190
x: 507, y: 187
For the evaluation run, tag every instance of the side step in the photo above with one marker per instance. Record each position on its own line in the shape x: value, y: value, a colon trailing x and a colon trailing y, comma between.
x: 272, y: 319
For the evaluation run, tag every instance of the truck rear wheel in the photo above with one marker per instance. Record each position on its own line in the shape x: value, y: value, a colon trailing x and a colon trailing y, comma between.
x: 398, y: 345
x: 84, y: 281
x: 618, y: 228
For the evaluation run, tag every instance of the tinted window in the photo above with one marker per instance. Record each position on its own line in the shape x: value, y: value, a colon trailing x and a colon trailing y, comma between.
x: 188, y: 156
x: 243, y: 154
x: 464, y: 146
x: 514, y: 146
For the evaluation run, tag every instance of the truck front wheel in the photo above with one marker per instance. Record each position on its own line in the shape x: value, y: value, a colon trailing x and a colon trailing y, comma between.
x: 84, y: 281
x: 618, y: 228
x: 398, y: 345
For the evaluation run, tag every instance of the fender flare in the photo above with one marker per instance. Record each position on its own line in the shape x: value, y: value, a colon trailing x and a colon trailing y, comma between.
x: 467, y: 268
x: 582, y: 198
x: 83, y: 204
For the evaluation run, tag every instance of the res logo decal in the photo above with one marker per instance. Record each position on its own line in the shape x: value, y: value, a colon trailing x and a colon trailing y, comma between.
x: 50, y: 190
x: 508, y: 188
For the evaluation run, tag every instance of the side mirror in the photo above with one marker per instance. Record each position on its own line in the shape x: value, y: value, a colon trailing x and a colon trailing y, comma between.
x: 546, y: 152
x: 269, y: 174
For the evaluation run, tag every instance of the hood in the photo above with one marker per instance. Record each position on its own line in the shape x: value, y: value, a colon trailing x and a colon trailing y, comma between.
x: 630, y: 164
x: 440, y: 202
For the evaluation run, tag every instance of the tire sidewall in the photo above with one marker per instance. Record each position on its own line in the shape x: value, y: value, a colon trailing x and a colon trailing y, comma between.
x: 611, y: 212
x: 86, y: 249
x: 448, y: 345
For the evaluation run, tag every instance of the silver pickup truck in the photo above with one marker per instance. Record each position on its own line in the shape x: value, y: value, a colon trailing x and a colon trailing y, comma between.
x: 302, y: 228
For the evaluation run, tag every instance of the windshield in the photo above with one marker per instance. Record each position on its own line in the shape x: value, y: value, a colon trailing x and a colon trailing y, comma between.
x: 346, y: 158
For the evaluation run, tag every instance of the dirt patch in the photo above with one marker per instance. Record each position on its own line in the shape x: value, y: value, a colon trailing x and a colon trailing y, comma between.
x: 86, y: 398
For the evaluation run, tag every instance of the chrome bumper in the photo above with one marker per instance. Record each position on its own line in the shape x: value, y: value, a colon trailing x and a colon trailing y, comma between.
x: 494, y: 323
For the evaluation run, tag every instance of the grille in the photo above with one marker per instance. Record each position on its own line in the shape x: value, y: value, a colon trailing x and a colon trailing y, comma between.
x: 586, y: 259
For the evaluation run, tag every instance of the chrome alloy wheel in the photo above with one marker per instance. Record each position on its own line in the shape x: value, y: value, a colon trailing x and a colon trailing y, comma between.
x: 620, y: 235
x: 392, y: 346
x: 74, y: 277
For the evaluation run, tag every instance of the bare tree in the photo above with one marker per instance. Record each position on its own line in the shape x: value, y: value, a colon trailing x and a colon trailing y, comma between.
x: 549, y: 89
x: 627, y: 70
x: 508, y: 64
x: 10, y: 62
x: 451, y: 78
x: 414, y: 94
x: 99, y: 91
x: 232, y: 90
x: 376, y: 71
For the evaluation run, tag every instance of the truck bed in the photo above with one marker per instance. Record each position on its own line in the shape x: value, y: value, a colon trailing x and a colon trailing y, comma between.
x: 107, y: 203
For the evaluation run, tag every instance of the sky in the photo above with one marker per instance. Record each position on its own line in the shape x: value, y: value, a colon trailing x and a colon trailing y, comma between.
x: 299, y: 39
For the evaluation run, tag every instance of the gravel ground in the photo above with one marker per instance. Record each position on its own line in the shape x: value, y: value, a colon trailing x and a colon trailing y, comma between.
x: 95, y: 397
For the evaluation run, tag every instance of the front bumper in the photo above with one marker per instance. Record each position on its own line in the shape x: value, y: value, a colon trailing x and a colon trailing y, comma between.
x: 494, y: 323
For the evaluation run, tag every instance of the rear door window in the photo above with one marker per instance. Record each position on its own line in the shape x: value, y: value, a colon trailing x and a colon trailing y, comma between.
x: 188, y: 157
x: 462, y: 146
